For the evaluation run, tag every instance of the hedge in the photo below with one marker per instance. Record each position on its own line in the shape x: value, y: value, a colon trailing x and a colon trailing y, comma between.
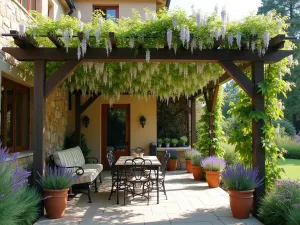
x: 293, y: 150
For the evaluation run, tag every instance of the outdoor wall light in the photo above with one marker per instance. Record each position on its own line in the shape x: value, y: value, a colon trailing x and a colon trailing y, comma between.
x: 143, y: 121
x: 86, y: 121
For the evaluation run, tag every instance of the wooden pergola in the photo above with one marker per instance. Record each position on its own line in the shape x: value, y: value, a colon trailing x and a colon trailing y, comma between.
x: 28, y: 50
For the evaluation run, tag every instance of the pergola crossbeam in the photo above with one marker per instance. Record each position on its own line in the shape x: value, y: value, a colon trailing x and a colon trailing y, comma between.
x: 56, y: 41
x: 23, y: 42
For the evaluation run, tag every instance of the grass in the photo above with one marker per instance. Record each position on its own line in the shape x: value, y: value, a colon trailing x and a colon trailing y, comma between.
x: 291, y: 167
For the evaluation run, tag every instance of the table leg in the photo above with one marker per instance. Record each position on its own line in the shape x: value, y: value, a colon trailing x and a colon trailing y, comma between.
x: 157, y: 186
x: 117, y: 185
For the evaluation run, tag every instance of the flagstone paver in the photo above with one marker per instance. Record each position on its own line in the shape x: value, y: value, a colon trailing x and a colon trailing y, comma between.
x: 189, y: 202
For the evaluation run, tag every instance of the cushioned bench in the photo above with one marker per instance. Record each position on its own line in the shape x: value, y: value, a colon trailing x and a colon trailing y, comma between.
x: 87, y: 170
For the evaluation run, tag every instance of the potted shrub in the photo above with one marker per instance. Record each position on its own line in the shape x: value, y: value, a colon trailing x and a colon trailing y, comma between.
x: 183, y: 140
x: 197, y: 169
x: 174, y: 142
x: 213, y: 167
x: 241, y: 182
x: 172, y: 163
x: 159, y: 142
x: 167, y: 142
x: 56, y: 184
x: 188, y: 155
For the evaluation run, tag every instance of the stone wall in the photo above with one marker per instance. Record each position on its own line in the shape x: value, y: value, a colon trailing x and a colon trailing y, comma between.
x: 56, y: 121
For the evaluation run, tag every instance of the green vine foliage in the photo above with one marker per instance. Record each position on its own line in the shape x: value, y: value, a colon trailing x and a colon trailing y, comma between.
x: 273, y: 87
x: 165, y: 79
x: 205, y: 142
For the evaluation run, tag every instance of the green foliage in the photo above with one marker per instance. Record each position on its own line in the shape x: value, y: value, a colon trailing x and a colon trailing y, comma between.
x: 277, y: 205
x: 287, y: 126
x: 230, y: 95
x: 71, y: 142
x: 160, y: 141
x: 174, y: 142
x: 190, y: 153
x: 205, y: 142
x: 230, y: 156
x: 228, y: 125
x: 167, y: 140
x: 173, y: 154
x: 242, y: 111
x: 196, y: 160
x: 292, y: 151
x: 183, y: 140
x: 294, y: 217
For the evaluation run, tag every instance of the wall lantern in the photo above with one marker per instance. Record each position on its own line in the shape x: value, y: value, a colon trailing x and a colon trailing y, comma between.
x: 143, y: 121
x: 86, y: 121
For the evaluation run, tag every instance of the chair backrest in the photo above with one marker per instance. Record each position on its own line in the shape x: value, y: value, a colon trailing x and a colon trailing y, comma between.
x: 137, y: 150
x: 164, y: 163
x: 135, y: 169
x: 69, y: 157
x: 111, y: 158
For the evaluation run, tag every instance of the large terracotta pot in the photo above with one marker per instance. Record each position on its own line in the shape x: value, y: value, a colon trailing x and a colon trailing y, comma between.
x: 172, y: 164
x: 55, y: 202
x: 197, y: 172
x: 241, y: 203
x: 188, y: 165
x: 213, y: 179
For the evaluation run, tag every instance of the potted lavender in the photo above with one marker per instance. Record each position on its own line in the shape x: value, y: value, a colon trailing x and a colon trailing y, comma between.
x: 213, y: 167
x: 188, y: 155
x: 56, y: 184
x: 197, y: 169
x: 241, y: 182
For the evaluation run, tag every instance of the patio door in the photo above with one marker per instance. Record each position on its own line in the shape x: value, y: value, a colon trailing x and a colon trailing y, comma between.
x: 115, y: 131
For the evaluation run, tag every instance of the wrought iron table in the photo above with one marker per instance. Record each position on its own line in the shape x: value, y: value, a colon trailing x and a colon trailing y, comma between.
x: 120, y: 164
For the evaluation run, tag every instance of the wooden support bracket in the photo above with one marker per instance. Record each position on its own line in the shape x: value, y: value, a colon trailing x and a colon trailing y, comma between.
x: 88, y: 103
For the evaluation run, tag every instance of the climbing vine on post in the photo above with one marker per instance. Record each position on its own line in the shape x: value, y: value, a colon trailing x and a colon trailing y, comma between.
x: 211, y: 138
x: 272, y: 88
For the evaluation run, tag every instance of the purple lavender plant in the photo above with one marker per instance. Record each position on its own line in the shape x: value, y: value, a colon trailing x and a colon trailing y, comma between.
x: 188, y: 154
x: 241, y: 178
x: 213, y: 163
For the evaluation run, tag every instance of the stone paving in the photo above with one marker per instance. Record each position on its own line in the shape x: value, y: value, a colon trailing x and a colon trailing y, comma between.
x: 189, y: 202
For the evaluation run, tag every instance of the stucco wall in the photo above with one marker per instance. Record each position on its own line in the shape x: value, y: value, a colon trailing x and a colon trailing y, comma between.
x: 139, y: 137
x: 125, y: 7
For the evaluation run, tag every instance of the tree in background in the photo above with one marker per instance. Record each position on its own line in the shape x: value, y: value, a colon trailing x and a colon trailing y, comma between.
x: 291, y: 9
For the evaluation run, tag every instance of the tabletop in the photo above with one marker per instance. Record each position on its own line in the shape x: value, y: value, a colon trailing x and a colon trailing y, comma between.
x: 153, y: 159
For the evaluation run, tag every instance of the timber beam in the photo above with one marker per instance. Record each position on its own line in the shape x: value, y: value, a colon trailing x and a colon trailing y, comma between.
x: 157, y: 55
x: 23, y: 42
x: 88, y: 103
x: 56, y: 41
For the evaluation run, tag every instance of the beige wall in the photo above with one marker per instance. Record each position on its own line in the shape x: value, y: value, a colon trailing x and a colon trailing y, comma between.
x: 139, y: 137
x: 125, y: 7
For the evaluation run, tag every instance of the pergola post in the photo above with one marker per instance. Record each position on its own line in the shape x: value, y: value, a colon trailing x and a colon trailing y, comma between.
x: 258, y: 151
x: 193, y: 121
x: 77, y: 117
x: 39, y: 119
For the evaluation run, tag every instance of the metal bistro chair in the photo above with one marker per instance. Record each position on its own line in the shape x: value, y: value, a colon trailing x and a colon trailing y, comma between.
x: 111, y: 162
x: 162, y: 174
x: 135, y: 176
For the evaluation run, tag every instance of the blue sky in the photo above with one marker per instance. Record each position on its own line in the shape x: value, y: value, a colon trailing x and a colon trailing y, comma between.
x: 237, y: 8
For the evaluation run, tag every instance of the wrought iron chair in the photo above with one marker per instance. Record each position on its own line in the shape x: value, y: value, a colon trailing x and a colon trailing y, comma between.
x: 161, y: 175
x: 135, y: 175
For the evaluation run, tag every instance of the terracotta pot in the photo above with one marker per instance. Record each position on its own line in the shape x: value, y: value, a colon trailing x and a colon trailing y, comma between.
x: 213, y: 179
x: 188, y: 165
x: 197, y: 172
x: 172, y: 164
x: 56, y: 204
x: 241, y: 203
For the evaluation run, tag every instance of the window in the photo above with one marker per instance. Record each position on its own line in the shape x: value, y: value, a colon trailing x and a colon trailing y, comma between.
x: 111, y: 12
x: 14, y: 115
x: 28, y: 4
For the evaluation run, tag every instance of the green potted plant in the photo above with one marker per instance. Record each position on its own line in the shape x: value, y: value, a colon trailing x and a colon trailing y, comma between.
x: 56, y: 184
x: 241, y: 182
x: 196, y: 167
x: 172, y: 163
x: 174, y: 142
x: 183, y: 140
x: 159, y: 142
x: 167, y: 142
x: 213, y: 167
x: 188, y: 155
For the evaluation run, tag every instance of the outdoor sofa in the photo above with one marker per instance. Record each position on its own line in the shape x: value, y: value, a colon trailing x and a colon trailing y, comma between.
x: 86, y: 170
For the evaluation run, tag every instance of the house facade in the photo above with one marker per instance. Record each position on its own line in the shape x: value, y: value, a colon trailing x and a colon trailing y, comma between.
x: 100, y: 121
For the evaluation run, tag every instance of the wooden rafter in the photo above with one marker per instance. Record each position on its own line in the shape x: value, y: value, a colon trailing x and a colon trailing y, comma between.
x: 160, y: 55
x: 56, y: 41
x: 238, y: 76
x: 88, y: 103
x: 23, y: 42
x: 60, y: 75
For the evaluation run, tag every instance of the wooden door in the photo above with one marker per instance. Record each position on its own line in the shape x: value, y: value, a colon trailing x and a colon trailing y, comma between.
x: 115, y: 131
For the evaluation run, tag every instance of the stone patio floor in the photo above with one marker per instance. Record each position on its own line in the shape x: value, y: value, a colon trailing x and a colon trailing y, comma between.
x: 189, y: 202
